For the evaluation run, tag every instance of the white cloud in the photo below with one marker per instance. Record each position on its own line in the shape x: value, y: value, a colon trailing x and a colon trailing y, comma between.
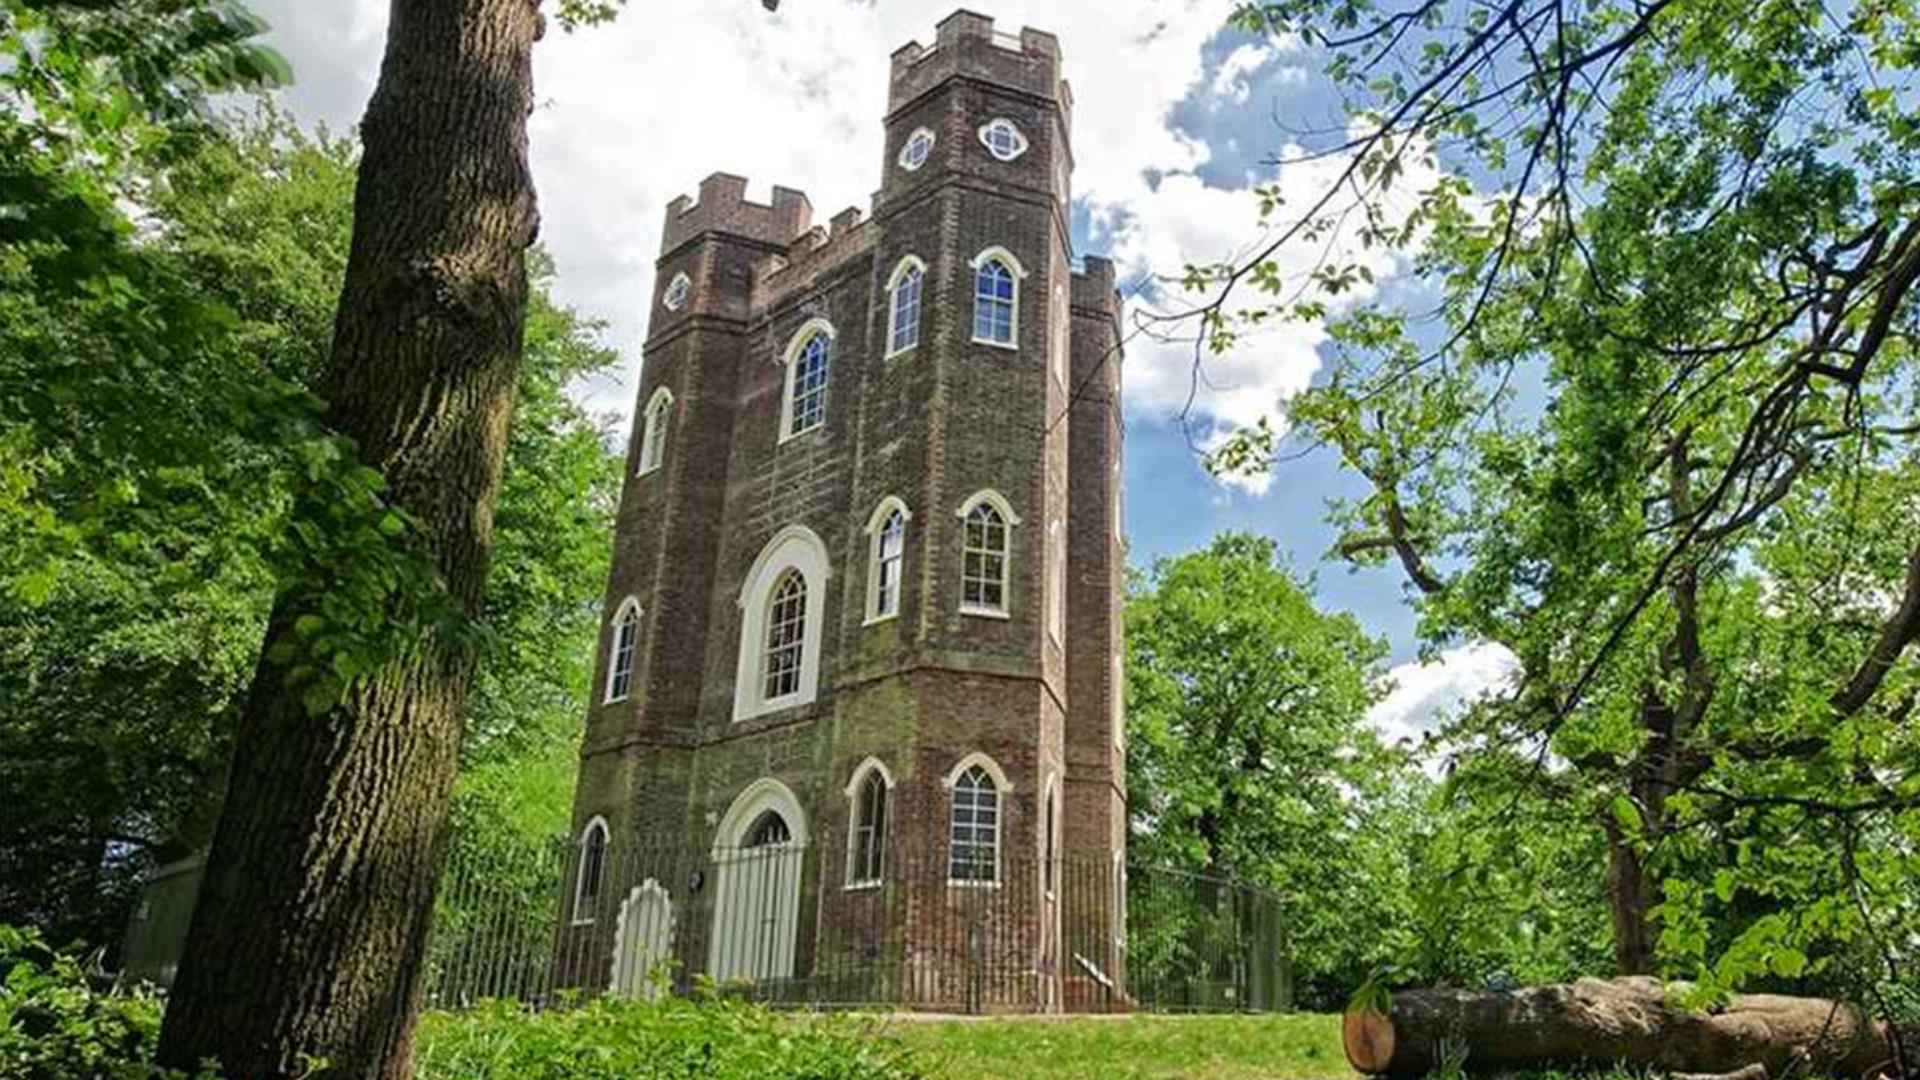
x: 1233, y: 82
x: 1426, y: 694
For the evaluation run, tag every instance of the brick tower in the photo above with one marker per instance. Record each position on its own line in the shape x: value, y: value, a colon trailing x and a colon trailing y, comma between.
x: 856, y: 726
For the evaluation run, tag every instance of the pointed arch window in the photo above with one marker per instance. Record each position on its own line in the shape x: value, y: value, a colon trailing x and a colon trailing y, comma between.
x: 903, y: 307
x: 808, y: 360
x: 886, y: 558
x: 626, y: 636
x: 973, y: 827
x: 590, y: 871
x: 786, y: 637
x: 653, y: 430
x: 867, y: 824
x: 996, y: 298
x: 985, y: 553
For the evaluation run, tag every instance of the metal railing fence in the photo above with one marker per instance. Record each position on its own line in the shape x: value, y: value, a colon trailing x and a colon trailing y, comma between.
x: 1082, y: 931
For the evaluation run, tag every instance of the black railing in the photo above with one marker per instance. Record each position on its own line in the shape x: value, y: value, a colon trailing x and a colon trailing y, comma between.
x: 780, y: 923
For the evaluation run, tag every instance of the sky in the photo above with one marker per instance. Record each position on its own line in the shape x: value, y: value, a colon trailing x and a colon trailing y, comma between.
x: 1174, y: 116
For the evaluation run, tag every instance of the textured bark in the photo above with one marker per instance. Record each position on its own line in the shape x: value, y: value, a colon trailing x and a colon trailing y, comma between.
x: 1627, y: 1021
x: 312, y: 920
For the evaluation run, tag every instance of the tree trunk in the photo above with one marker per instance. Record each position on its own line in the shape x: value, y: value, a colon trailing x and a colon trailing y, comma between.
x: 309, y: 933
x: 1625, y: 1021
x: 1630, y: 901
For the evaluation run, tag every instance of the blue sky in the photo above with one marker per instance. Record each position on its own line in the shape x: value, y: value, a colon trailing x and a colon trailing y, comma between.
x: 1173, y: 118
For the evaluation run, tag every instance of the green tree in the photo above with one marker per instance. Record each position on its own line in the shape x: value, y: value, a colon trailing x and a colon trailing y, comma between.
x: 1249, y: 755
x: 1659, y: 441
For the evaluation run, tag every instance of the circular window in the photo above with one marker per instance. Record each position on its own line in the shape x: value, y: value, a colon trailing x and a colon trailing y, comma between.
x: 1002, y: 139
x: 914, y: 154
x: 677, y: 292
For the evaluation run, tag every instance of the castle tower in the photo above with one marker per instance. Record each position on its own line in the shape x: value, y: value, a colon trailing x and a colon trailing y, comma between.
x: 855, y: 727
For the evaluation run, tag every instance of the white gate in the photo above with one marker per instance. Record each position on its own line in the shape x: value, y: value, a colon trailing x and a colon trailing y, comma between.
x: 757, y: 903
x: 642, y: 938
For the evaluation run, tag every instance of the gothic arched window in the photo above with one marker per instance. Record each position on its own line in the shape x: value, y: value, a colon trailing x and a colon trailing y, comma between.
x: 973, y: 833
x: 807, y: 361
x: 866, y: 848
x: 994, y: 293
x: 591, y: 870
x: 653, y: 431
x: 786, y: 637
x: 985, y: 553
x: 903, y: 319
x: 626, y: 635
x: 885, y: 558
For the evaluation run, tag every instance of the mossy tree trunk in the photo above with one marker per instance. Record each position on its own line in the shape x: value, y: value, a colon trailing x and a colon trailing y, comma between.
x: 312, y: 921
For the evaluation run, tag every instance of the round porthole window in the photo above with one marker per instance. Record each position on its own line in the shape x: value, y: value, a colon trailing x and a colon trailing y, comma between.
x: 677, y: 292
x: 1002, y: 139
x: 919, y: 146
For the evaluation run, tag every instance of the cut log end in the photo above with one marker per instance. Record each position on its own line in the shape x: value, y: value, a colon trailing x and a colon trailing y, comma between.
x: 1368, y: 1037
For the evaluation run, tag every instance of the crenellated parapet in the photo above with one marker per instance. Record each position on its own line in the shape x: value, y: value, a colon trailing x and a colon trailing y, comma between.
x: 1094, y: 285
x: 812, y: 254
x: 723, y: 207
x: 966, y: 43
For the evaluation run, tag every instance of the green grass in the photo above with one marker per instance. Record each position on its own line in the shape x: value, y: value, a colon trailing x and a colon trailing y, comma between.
x: 1300, y: 1046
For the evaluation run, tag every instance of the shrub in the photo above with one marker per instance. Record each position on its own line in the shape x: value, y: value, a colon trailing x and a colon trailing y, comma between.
x: 708, y: 1038
x: 58, y: 1022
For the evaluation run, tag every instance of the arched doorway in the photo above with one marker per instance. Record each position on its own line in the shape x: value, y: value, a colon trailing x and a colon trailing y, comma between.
x: 758, y: 856
x: 642, y: 939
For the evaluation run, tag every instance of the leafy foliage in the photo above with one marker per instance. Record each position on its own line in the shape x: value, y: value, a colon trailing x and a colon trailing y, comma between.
x: 708, y: 1038
x: 128, y: 632
x: 1657, y: 438
x: 58, y: 1022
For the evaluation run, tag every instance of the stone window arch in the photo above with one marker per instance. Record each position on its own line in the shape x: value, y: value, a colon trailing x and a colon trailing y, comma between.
x: 620, y: 654
x: 904, y: 291
x: 782, y: 615
x: 996, y: 298
x: 886, y: 558
x: 869, y: 805
x: 808, y: 362
x: 653, y: 431
x: 986, y: 553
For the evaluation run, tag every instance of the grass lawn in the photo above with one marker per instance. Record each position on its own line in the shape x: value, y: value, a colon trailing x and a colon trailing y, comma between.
x: 1300, y: 1046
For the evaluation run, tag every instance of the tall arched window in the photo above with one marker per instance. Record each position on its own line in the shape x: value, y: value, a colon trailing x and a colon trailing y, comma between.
x: 590, y: 871
x: 626, y: 635
x: 653, y: 437
x: 808, y: 360
x: 994, y: 293
x: 786, y: 637
x: 867, y: 824
x: 783, y: 603
x: 903, y: 321
x: 973, y: 833
x: 886, y: 557
x: 985, y: 553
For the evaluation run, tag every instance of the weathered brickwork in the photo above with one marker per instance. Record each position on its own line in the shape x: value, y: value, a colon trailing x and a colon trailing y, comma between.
x: 1038, y: 423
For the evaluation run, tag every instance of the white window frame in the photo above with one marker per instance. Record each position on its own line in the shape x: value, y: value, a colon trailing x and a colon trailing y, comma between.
x: 788, y: 360
x: 629, y: 609
x: 595, y: 823
x: 906, y: 149
x: 1050, y: 809
x: 1062, y: 335
x: 908, y: 264
x: 653, y: 431
x: 875, y: 523
x: 998, y: 502
x: 1002, y: 789
x: 794, y: 547
x: 1019, y: 273
x: 872, y: 766
x: 998, y: 123
x: 677, y: 292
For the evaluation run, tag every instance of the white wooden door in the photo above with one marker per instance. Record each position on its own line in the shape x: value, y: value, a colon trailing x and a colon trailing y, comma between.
x: 643, y: 939
x: 757, y: 904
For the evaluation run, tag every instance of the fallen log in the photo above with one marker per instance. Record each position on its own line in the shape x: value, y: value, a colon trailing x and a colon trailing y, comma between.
x: 1629, y: 1021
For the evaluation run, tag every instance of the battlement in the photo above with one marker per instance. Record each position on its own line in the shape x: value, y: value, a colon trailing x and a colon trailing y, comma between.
x: 966, y: 43
x: 1093, y: 284
x: 723, y: 207
x: 810, y: 254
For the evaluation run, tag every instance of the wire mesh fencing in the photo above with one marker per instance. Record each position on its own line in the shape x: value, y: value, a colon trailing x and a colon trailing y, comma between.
x: 782, y: 923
